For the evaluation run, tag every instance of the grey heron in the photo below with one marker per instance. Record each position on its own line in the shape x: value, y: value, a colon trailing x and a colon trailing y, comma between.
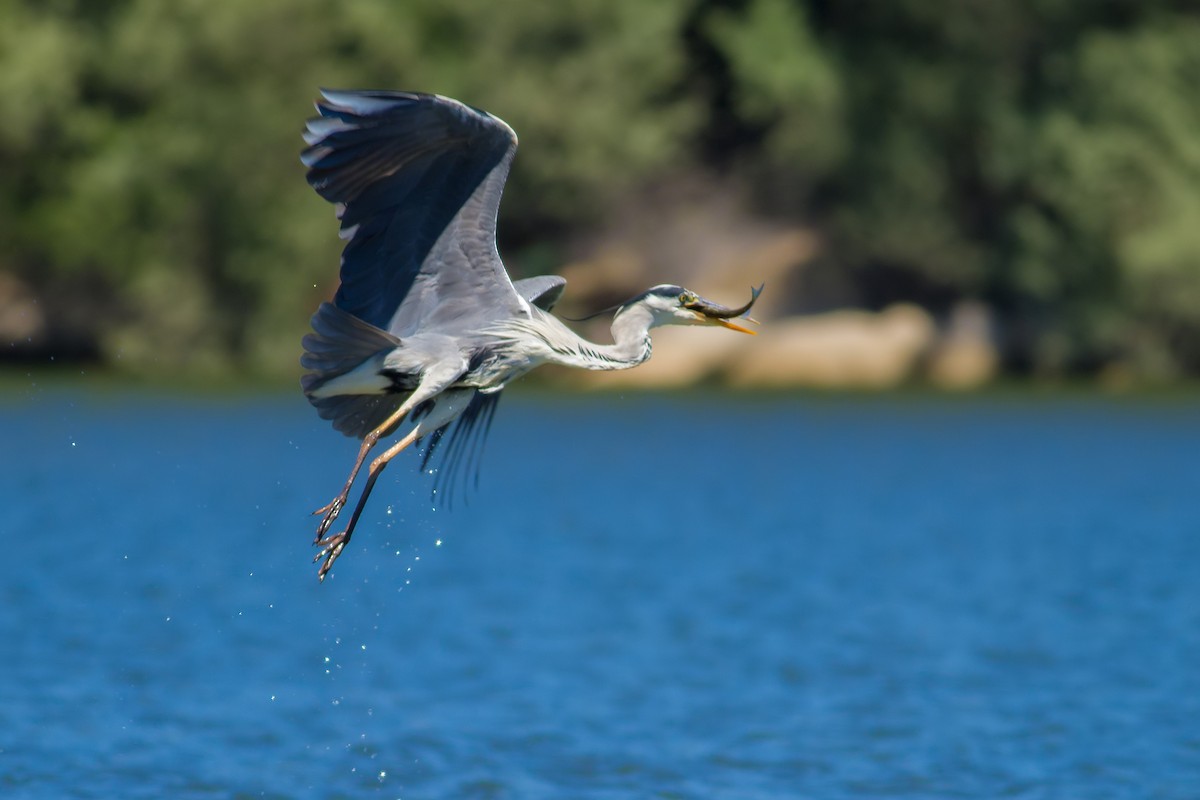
x: 426, y: 324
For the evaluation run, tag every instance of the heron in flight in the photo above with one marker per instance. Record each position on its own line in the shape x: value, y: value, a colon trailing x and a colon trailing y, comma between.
x: 426, y: 324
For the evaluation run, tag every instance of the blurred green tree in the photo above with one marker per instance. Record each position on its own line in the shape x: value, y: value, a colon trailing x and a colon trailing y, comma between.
x: 1112, y: 186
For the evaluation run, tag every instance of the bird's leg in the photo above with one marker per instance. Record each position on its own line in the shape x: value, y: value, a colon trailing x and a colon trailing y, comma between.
x: 448, y: 407
x: 334, y: 508
x: 333, y: 545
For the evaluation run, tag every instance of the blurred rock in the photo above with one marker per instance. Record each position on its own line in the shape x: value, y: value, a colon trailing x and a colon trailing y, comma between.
x: 966, y: 357
x: 702, y: 236
x: 839, y: 349
x: 21, y: 319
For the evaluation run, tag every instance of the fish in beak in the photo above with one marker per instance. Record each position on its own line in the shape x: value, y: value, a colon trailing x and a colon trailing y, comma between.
x: 716, y: 314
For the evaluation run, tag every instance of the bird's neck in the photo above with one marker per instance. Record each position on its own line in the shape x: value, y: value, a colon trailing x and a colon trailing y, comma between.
x: 630, y: 347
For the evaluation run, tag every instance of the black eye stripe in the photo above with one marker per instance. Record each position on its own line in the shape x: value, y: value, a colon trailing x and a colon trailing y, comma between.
x: 668, y: 291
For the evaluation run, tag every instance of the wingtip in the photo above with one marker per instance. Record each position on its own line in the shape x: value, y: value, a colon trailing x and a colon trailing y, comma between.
x: 312, y: 155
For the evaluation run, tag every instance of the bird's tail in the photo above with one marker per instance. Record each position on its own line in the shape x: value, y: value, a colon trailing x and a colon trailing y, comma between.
x: 339, y: 343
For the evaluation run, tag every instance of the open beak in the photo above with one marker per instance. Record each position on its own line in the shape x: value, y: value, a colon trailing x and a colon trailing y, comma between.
x: 716, y: 314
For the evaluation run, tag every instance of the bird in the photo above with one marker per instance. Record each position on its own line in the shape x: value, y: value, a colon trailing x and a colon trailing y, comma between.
x: 426, y: 326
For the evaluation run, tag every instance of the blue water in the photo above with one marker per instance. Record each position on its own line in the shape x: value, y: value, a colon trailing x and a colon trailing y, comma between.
x: 665, y: 597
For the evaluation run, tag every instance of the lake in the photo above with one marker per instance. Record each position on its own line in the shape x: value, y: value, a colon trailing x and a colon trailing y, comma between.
x: 648, y: 596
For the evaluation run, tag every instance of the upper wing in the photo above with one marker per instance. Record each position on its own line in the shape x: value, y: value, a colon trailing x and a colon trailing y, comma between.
x: 417, y: 179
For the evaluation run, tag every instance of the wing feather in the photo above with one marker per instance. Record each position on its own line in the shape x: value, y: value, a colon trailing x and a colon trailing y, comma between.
x: 417, y: 179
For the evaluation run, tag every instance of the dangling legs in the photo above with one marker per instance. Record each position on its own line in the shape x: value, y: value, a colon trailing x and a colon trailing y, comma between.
x: 448, y: 406
x: 334, y: 508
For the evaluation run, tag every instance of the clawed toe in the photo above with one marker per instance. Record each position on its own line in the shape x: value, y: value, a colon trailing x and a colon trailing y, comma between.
x: 336, y: 502
x: 332, y: 547
x: 331, y: 512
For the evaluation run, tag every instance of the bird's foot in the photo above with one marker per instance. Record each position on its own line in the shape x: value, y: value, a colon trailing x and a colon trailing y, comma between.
x: 332, y: 547
x: 331, y: 512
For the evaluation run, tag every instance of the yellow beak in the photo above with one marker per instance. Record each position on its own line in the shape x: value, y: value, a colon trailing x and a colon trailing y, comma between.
x: 724, y: 323
x: 732, y: 326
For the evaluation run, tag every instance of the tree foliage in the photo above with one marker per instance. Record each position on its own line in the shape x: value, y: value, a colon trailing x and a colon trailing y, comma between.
x: 1038, y: 156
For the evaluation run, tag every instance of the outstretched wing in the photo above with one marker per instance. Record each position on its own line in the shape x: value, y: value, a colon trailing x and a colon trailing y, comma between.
x: 463, y: 440
x: 417, y: 180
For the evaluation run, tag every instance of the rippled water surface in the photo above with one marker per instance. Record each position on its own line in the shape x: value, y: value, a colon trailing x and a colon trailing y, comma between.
x: 665, y: 597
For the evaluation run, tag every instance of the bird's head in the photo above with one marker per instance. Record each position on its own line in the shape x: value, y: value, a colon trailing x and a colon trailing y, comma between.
x: 675, y: 305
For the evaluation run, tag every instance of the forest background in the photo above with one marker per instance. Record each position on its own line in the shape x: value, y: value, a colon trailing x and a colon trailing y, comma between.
x: 1031, y: 167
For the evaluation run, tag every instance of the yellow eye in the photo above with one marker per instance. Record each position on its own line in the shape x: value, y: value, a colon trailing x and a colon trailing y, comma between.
x: 687, y: 298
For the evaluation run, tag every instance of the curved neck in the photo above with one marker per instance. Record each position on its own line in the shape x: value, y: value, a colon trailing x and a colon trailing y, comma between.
x: 631, y: 343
